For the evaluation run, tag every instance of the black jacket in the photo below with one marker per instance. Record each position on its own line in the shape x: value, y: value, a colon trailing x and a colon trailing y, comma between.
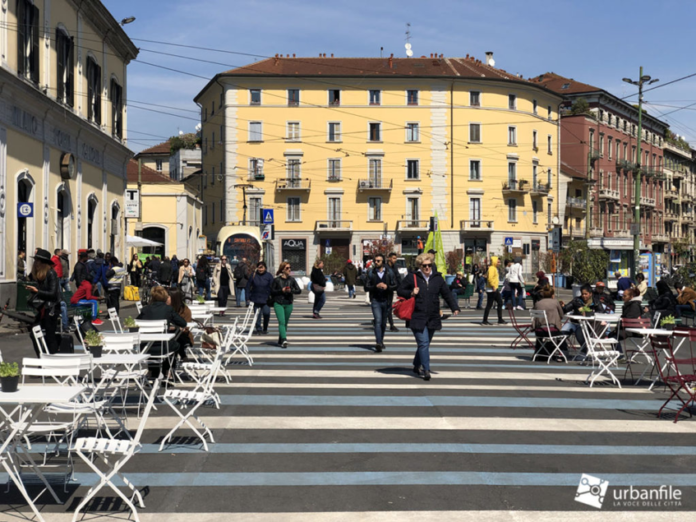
x: 632, y: 309
x: 80, y: 273
x: 427, y: 310
x: 317, y: 277
x: 373, y: 280
x: 165, y: 272
x: 160, y: 310
x: 396, y: 273
x: 259, y: 288
x: 665, y: 303
x: 574, y: 306
x: 241, y: 274
x: 284, y: 298
x: 48, y: 291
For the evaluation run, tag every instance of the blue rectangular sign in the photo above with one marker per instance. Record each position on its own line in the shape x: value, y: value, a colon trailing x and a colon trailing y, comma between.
x: 267, y: 216
x: 508, y: 241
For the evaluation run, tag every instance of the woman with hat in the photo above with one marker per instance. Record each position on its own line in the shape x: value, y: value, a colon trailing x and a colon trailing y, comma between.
x: 45, y: 299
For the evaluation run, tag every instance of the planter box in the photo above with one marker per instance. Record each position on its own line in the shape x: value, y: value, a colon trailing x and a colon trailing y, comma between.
x: 96, y: 351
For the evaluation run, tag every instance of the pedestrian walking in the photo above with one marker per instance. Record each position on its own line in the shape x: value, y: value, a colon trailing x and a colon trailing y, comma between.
x: 186, y: 279
x: 65, y: 266
x: 57, y: 266
x: 45, y: 300
x: 318, y: 280
x: 419, y: 245
x: 202, y: 277
x: 81, y: 272
x: 97, y: 273
x: 241, y: 279
x: 492, y: 282
x: 350, y: 274
x: 427, y: 288
x: 283, y: 290
x: 258, y: 291
x: 222, y: 279
x: 391, y: 265
x: 479, y: 286
x: 165, y: 272
x: 516, y: 280
x: 175, y: 271
x: 135, y: 268
x: 380, y: 284
x: 115, y: 277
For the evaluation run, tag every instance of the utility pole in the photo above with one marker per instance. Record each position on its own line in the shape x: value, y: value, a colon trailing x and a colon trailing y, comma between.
x: 642, y: 79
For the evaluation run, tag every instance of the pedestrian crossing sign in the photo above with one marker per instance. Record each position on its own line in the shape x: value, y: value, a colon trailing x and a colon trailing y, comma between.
x: 267, y: 216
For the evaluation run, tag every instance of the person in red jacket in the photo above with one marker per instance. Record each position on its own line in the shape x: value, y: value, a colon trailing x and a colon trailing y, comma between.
x: 83, y: 296
x: 57, y: 267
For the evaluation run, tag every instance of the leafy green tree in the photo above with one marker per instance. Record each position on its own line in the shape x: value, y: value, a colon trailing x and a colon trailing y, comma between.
x: 586, y: 265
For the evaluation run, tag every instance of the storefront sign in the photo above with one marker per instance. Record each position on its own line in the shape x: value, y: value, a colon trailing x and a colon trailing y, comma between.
x: 132, y: 203
x: 294, y: 244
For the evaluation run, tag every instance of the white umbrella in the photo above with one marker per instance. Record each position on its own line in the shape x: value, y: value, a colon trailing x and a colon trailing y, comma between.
x: 134, y: 241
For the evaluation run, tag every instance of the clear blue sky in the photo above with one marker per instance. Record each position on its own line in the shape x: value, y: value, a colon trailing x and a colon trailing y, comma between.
x: 597, y: 42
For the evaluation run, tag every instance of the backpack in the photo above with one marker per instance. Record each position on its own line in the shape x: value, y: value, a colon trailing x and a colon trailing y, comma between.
x: 238, y: 272
x: 201, y: 274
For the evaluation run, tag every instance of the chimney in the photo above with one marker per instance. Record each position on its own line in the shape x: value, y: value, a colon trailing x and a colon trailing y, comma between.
x: 489, y: 58
x: 275, y: 60
x: 391, y: 61
x: 331, y: 55
x: 293, y: 55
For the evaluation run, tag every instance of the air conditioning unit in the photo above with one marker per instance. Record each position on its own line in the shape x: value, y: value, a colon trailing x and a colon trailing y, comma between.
x: 364, y: 184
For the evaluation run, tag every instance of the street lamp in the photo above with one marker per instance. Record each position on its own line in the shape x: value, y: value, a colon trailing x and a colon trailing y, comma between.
x: 128, y: 20
x: 643, y: 79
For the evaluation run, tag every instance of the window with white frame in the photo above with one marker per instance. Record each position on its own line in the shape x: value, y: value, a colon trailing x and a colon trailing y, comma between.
x: 475, y: 212
x: 293, y: 209
x: 334, y: 131
x: 412, y: 169
x: 375, y: 132
x: 549, y: 209
x: 254, y: 96
x: 255, y: 206
x: 334, y: 210
x: 375, y: 172
x: 293, y: 97
x: 256, y: 169
x: 293, y: 131
x: 474, y: 133
x: 512, y: 135
x: 601, y: 145
x: 475, y: 170
x: 374, y: 209
x: 512, y: 175
x: 512, y: 210
x: 512, y: 101
x: 293, y: 172
x: 334, y: 169
x: 375, y: 97
x: 412, y: 132
x: 610, y: 147
x: 413, y: 210
x: 412, y: 97
x: 475, y: 98
x: 255, y: 131
x: 535, y: 211
x: 534, y: 106
x: 534, y: 175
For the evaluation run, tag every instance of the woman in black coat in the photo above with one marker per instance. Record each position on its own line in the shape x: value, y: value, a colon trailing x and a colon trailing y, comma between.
x: 45, y: 300
x: 427, y: 288
x: 665, y: 303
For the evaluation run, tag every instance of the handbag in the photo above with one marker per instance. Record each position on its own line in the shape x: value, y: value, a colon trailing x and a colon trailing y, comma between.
x: 403, y: 308
x: 317, y: 289
x: 212, y: 338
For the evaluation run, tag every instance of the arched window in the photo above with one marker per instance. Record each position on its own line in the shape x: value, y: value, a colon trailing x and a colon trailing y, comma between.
x: 92, y: 227
x: 94, y: 90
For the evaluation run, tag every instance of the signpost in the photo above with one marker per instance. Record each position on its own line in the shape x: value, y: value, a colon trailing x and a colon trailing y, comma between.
x: 267, y: 216
x: 25, y: 210
x: 132, y: 203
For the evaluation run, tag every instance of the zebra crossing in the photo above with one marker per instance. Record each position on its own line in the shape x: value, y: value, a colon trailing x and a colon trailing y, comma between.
x: 328, y: 429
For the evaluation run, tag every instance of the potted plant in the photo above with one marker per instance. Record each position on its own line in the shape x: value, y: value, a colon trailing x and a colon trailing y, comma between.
x: 586, y: 311
x: 9, y: 377
x: 95, y: 343
x: 130, y: 323
x: 200, y: 299
x: 668, y: 323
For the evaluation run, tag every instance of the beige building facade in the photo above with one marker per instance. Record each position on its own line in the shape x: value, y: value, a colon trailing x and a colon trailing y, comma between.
x: 63, y: 153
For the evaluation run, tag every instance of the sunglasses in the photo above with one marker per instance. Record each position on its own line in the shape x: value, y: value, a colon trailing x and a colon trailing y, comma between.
x: 428, y: 265
x: 287, y: 268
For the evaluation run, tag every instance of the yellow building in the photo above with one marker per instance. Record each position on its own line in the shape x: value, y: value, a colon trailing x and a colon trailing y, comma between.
x: 347, y: 150
x: 171, y: 213
x: 62, y: 129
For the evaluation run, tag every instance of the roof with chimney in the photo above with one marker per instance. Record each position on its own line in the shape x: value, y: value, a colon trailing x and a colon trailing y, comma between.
x: 160, y: 148
x: 147, y: 174
x: 434, y: 66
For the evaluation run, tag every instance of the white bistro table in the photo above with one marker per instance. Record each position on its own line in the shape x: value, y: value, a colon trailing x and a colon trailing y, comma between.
x: 28, y: 402
x: 651, y: 332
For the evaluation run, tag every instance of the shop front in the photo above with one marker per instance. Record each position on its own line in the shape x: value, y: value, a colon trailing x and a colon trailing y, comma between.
x: 294, y: 251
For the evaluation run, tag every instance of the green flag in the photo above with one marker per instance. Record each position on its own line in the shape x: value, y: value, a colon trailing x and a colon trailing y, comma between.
x: 434, y: 242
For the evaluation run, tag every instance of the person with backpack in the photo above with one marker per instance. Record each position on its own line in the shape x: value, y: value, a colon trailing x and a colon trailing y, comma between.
x: 97, y: 273
x: 241, y: 279
x: 380, y: 284
x: 202, y: 279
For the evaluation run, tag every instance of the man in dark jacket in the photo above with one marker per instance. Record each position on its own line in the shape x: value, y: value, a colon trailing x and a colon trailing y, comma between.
x: 65, y: 265
x: 351, y: 276
x: 604, y: 297
x: 241, y: 279
x: 391, y: 265
x: 165, y: 272
x: 381, y: 285
x: 258, y: 291
x: 80, y: 272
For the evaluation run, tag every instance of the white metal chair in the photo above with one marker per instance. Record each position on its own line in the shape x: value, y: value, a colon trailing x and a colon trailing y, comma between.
x: 555, y: 340
x: 240, y: 339
x: 38, y: 334
x: 115, y: 320
x: 115, y: 454
x: 601, y: 350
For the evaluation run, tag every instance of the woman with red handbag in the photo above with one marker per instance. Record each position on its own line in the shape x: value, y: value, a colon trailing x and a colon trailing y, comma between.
x: 425, y: 288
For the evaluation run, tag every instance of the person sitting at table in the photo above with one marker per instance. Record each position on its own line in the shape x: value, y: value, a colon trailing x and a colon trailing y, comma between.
x: 632, y: 309
x: 554, y: 315
x: 542, y: 281
x: 83, y: 297
x: 685, y: 299
x: 665, y: 303
x: 641, y: 284
x: 587, y: 299
x: 604, y: 297
x: 160, y: 308
x: 176, y: 301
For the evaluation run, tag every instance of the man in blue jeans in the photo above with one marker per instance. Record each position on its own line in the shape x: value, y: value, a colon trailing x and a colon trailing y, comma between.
x: 380, y: 284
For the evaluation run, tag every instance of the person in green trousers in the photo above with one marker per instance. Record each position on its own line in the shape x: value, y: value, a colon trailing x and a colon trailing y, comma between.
x: 283, y: 290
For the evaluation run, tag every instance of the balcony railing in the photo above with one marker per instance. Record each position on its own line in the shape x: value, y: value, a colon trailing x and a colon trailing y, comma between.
x: 671, y: 216
x: 671, y: 194
x: 333, y: 225
x: 596, y: 232
x: 515, y: 186
x: 476, y: 225
x: 293, y: 184
x: 259, y: 176
x: 653, y: 172
x: 594, y: 155
x: 647, y: 202
x: 607, y: 193
x: 540, y: 189
x: 372, y: 184
x: 625, y: 165
x: 660, y: 237
x: 577, y: 203
x: 414, y: 225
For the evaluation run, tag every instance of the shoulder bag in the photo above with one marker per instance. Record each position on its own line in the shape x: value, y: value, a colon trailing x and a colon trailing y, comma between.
x: 403, y: 308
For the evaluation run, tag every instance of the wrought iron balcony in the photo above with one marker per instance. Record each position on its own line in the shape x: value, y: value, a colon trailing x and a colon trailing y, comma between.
x: 372, y: 184
x: 594, y: 155
x: 514, y: 186
x: 540, y: 189
x: 653, y: 172
x: 576, y: 203
x: 290, y: 184
x: 607, y: 193
x: 413, y: 225
x: 476, y: 225
x: 333, y: 225
x: 625, y: 165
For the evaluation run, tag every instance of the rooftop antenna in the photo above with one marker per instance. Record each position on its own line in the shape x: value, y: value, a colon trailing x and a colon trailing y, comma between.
x: 381, y: 50
x: 409, y: 52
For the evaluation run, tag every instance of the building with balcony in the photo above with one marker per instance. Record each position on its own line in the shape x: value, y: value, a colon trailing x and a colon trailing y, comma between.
x: 63, y: 153
x: 378, y: 146
x: 599, y: 135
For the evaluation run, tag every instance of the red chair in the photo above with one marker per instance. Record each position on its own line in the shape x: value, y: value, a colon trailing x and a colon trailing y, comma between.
x: 684, y: 379
x: 522, y: 330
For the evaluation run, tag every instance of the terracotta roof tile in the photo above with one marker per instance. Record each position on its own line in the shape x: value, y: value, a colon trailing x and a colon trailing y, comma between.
x: 561, y: 85
x: 162, y: 148
x: 147, y: 174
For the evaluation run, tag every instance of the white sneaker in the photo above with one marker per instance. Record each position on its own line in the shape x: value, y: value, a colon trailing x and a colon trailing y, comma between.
x: 519, y: 308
